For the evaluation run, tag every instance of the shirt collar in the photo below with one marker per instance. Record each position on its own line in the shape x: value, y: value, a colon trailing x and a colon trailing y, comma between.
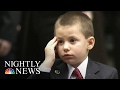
x: 82, y: 67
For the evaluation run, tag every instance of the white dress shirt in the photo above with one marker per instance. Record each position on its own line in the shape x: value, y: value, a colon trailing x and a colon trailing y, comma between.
x: 82, y: 68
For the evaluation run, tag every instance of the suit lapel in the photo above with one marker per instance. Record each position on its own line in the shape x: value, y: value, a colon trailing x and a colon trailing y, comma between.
x: 91, y: 71
x: 61, y: 71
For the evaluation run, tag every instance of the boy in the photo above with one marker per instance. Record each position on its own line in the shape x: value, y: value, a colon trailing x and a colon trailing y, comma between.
x: 74, y: 38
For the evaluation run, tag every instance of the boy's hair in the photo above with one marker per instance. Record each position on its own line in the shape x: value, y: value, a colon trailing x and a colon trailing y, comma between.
x: 76, y: 17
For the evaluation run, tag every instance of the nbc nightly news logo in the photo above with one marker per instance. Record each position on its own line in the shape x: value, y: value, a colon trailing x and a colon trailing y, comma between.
x: 22, y: 67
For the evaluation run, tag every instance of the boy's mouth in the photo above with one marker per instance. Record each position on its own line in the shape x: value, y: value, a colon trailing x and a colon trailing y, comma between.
x: 67, y: 56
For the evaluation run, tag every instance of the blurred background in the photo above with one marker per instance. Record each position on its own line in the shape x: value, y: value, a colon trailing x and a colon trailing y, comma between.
x: 24, y: 35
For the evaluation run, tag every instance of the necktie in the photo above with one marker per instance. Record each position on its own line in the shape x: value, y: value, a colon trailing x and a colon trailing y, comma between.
x: 77, y: 74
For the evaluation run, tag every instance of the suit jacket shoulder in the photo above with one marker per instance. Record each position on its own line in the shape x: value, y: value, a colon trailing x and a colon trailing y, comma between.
x: 97, y: 70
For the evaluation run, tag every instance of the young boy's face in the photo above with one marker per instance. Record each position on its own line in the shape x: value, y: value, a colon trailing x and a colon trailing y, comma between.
x: 72, y: 46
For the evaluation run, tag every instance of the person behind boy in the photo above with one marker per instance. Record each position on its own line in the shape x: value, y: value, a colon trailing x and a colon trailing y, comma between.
x: 74, y: 38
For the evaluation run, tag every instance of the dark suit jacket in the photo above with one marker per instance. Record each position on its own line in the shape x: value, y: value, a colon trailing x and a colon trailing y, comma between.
x: 95, y: 70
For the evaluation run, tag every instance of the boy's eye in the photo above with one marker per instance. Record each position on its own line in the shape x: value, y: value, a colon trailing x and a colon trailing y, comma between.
x: 72, y: 40
x: 60, y: 41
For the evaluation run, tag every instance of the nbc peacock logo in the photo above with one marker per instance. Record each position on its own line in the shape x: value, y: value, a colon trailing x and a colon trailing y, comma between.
x: 9, y: 71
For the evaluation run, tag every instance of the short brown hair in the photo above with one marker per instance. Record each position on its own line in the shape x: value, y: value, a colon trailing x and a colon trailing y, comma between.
x: 76, y: 17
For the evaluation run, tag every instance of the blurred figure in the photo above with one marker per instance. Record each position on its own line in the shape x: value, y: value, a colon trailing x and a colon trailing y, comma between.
x: 9, y: 21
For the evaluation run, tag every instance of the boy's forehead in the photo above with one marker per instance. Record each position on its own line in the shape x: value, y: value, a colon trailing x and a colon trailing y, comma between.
x: 69, y: 26
x: 68, y: 31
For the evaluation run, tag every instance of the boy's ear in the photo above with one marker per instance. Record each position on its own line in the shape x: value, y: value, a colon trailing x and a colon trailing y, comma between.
x: 91, y: 42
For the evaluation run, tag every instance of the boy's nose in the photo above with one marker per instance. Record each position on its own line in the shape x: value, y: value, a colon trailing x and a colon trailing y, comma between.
x: 66, y: 47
